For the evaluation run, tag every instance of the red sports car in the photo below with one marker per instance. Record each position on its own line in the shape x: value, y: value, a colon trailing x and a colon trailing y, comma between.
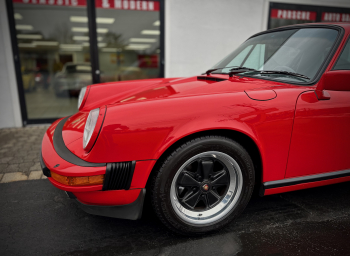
x: 273, y: 115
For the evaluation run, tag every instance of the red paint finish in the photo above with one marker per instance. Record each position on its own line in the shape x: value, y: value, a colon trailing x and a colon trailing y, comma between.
x: 261, y: 94
x: 141, y: 173
x: 272, y: 191
x: 321, y: 137
x: 299, y: 130
x: 52, y: 159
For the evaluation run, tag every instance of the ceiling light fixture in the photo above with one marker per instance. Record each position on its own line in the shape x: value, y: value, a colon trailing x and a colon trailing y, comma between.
x: 102, y: 30
x: 29, y: 36
x: 46, y: 43
x: 110, y: 50
x: 70, y: 49
x: 23, y: 45
x: 150, y: 32
x: 137, y: 47
x: 105, y: 20
x: 143, y: 40
x: 80, y: 29
x: 71, y: 46
x: 80, y: 19
x: 85, y: 38
x: 18, y: 16
x: 85, y: 30
x: 24, y: 27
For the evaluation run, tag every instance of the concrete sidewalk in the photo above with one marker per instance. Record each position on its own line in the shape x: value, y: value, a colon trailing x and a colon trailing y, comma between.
x: 19, y: 153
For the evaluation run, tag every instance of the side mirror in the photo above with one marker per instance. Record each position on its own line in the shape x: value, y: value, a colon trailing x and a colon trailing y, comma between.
x: 336, y: 80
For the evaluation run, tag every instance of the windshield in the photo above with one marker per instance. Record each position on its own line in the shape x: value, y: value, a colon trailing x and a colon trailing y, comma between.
x: 300, y: 51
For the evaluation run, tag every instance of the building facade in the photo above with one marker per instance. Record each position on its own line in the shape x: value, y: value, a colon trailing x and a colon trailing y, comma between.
x: 52, y: 48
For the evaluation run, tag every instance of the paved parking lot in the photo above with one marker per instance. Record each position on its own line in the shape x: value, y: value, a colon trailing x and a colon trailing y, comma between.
x: 38, y: 219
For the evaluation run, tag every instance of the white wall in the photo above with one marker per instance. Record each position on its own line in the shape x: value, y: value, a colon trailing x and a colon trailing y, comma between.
x: 10, y: 115
x: 199, y: 33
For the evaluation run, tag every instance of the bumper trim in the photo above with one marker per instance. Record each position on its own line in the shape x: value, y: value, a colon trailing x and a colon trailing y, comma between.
x: 131, y: 211
x: 45, y: 170
x: 64, y: 152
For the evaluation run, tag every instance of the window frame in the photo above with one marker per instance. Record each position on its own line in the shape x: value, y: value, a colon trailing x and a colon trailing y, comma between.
x: 341, y: 52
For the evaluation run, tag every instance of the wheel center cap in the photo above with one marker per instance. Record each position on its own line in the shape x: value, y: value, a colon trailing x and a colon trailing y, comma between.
x: 205, y: 187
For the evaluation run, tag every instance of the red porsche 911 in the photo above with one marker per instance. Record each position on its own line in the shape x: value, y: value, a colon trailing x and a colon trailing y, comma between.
x: 274, y: 115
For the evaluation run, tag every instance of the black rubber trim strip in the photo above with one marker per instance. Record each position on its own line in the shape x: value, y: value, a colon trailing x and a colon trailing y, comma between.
x: 306, y: 179
x: 45, y: 170
x: 64, y: 152
x: 216, y: 79
x: 133, y: 164
x: 131, y: 211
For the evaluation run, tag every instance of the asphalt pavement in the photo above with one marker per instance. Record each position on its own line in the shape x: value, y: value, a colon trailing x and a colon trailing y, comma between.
x: 38, y: 219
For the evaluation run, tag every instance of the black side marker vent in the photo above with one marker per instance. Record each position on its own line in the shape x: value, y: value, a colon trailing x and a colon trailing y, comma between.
x: 118, y: 175
x: 210, y: 78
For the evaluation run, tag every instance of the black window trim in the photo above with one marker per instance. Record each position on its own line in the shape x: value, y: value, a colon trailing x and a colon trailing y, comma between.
x: 341, y: 52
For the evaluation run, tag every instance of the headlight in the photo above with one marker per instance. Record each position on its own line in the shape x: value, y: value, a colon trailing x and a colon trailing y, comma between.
x: 92, y: 127
x: 82, y: 97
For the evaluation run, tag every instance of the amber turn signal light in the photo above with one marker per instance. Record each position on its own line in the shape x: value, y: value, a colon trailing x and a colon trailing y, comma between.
x: 78, y: 181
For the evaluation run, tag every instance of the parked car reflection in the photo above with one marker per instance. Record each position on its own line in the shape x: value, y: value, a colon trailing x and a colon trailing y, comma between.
x: 72, y: 78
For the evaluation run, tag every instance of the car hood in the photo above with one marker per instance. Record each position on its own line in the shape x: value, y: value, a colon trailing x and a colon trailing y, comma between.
x: 152, y: 89
x: 132, y: 92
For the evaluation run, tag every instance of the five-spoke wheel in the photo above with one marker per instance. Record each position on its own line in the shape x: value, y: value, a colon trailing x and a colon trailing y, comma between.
x: 203, y: 185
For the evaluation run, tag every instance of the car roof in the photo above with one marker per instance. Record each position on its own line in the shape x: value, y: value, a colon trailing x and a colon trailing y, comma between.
x: 344, y: 25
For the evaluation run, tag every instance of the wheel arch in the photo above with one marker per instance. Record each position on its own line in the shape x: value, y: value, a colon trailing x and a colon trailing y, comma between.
x: 243, y: 139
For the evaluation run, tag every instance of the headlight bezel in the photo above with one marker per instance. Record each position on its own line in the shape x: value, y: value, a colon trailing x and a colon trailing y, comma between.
x: 83, y: 96
x: 91, y: 133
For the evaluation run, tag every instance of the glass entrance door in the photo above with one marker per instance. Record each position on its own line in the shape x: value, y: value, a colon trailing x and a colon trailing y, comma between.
x: 55, y: 61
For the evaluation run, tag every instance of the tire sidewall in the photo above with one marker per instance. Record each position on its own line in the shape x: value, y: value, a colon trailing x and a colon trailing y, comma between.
x: 179, y: 157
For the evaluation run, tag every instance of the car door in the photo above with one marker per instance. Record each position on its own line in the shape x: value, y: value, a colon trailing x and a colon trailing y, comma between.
x: 320, y: 140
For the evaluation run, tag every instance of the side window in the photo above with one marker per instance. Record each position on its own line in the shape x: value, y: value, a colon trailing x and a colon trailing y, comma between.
x: 343, y: 62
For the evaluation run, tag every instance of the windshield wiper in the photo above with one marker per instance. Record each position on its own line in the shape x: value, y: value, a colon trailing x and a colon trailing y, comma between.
x: 237, y: 70
x: 284, y: 73
x: 214, y: 69
x: 210, y: 70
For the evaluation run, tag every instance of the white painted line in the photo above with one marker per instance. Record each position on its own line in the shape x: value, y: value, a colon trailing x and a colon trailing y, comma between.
x: 1, y: 176
x: 13, y: 176
x: 35, y: 175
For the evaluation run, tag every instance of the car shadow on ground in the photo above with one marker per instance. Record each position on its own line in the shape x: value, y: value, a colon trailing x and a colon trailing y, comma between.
x: 274, y: 225
x: 38, y: 219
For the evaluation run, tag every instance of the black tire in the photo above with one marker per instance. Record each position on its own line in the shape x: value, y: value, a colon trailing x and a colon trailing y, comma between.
x: 162, y: 178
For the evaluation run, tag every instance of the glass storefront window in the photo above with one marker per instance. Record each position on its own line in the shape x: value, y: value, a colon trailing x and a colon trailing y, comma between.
x: 55, y: 62
x: 129, y: 39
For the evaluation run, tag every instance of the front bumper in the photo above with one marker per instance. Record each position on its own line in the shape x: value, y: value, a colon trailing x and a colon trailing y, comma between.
x: 102, y: 200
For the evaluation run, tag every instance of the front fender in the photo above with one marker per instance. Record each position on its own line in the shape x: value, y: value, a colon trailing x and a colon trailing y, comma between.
x: 144, y: 130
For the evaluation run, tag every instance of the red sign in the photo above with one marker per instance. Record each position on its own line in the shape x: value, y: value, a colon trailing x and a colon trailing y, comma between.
x: 128, y: 5
x: 332, y: 16
x: 133, y: 5
x: 148, y: 61
x: 73, y: 3
x: 293, y: 15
